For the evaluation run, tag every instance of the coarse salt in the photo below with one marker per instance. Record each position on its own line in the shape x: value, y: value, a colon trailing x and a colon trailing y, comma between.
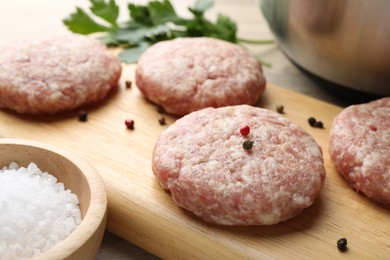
x: 37, y: 212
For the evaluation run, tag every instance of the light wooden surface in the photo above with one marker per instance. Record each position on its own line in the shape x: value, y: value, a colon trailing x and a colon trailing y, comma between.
x: 78, y: 176
x: 142, y: 213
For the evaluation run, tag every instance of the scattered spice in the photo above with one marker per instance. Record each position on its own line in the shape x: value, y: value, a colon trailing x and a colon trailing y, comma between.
x: 129, y: 123
x: 245, y: 130
x: 319, y: 124
x: 280, y: 109
x: 314, y: 123
x: 161, y: 121
x: 342, y: 244
x: 160, y: 109
x: 128, y: 83
x: 83, y: 116
x: 373, y: 128
x: 247, y: 145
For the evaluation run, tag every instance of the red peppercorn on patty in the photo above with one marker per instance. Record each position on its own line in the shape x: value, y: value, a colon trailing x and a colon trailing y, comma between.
x: 360, y: 148
x: 185, y: 75
x: 201, y: 160
x: 55, y: 73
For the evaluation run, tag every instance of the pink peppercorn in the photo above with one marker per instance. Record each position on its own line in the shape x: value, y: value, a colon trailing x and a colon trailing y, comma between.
x: 129, y: 123
x: 245, y: 130
x: 373, y: 128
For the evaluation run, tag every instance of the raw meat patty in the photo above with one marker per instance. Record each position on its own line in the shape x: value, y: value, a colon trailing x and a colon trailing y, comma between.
x: 185, y: 75
x: 55, y: 73
x: 360, y: 148
x: 200, y: 159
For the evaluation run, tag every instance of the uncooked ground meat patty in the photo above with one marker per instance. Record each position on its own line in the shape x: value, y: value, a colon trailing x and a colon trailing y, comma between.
x: 359, y: 146
x: 200, y: 159
x: 185, y: 75
x: 55, y: 73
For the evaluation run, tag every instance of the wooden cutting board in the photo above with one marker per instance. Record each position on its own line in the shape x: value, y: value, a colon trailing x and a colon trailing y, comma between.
x: 144, y: 214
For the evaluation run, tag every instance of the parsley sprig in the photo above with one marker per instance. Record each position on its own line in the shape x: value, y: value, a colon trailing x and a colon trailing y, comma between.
x: 156, y: 21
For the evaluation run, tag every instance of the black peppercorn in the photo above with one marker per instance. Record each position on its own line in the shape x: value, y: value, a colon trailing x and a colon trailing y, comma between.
x: 83, y: 116
x: 128, y: 84
x: 342, y: 244
x: 161, y: 121
x: 247, y: 145
x: 312, y: 121
x: 280, y: 109
x: 319, y: 124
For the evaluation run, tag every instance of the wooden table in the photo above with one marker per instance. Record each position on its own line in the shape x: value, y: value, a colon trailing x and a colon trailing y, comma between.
x: 41, y: 17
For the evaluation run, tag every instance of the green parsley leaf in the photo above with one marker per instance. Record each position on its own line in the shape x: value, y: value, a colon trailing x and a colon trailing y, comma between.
x: 156, y: 21
x: 140, y: 14
x: 81, y: 22
x: 108, y: 11
x: 201, y: 6
x: 226, y: 28
x: 162, y: 12
x: 158, y: 33
x: 108, y: 39
x: 130, y: 37
x: 131, y: 55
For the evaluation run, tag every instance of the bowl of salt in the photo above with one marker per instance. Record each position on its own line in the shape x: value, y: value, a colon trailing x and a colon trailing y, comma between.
x: 53, y: 204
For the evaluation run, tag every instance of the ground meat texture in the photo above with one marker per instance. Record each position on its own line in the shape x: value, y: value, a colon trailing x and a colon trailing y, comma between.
x: 359, y: 146
x: 208, y: 172
x: 188, y: 74
x: 51, y: 74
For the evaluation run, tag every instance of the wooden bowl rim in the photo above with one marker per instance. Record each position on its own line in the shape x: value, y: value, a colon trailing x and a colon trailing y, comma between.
x: 97, y: 210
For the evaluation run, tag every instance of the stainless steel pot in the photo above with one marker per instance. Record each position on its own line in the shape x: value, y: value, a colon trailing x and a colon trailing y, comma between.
x: 343, y: 41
